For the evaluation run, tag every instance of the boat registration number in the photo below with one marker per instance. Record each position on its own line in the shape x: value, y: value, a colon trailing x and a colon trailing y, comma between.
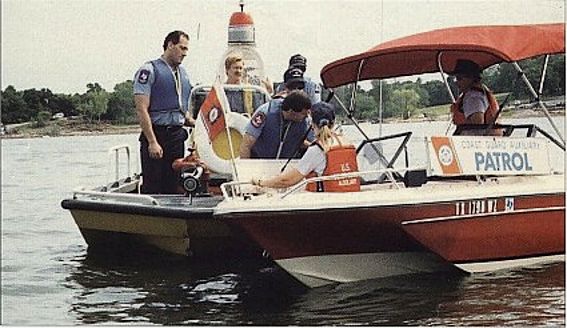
x: 482, y: 206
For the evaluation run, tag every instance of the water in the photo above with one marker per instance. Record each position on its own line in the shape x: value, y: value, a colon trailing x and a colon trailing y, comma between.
x: 48, y: 278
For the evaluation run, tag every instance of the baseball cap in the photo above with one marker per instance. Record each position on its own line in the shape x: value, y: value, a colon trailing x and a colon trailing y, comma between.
x: 298, y: 61
x: 293, y: 78
x: 323, y: 113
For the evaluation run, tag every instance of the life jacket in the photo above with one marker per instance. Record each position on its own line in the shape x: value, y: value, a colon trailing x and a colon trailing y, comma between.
x: 164, y: 96
x: 340, y: 159
x: 489, y: 114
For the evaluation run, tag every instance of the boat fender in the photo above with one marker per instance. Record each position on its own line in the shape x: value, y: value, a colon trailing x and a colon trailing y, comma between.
x: 216, y: 153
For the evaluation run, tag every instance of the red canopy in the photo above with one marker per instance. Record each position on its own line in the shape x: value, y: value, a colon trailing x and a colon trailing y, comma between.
x: 417, y: 54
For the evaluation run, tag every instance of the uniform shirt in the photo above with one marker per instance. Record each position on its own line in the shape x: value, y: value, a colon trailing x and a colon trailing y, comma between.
x: 474, y: 101
x: 143, y: 81
x: 270, y: 130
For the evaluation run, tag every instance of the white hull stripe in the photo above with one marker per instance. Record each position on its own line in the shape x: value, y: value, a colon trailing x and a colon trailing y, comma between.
x: 480, y: 215
x: 314, y: 271
x: 506, y: 264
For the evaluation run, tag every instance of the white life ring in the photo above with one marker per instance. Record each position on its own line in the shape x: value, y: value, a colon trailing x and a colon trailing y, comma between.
x: 216, y: 153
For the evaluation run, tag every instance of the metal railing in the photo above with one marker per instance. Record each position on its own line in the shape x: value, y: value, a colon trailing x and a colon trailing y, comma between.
x: 121, y: 197
x: 231, y: 190
x: 116, y: 152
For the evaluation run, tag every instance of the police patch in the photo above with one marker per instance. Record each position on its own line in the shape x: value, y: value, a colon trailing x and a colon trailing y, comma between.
x: 144, y: 76
x: 258, y: 119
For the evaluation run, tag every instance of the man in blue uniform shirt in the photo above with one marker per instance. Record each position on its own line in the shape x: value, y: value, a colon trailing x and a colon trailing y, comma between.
x: 278, y: 128
x: 161, y: 95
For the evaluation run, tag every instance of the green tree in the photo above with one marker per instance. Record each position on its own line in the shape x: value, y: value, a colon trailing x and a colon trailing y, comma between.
x: 14, y: 107
x: 41, y: 119
x: 405, y: 101
x: 94, y: 102
x: 121, y: 107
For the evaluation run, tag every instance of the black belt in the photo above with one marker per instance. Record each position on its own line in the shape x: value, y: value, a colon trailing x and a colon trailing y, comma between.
x: 167, y: 127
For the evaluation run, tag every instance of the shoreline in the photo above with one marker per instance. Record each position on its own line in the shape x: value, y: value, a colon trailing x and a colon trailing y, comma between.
x: 68, y: 128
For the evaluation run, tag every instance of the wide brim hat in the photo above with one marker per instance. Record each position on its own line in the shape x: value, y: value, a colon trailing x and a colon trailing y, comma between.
x: 467, y: 68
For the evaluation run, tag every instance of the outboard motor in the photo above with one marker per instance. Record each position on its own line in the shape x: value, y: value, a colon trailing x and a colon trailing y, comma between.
x: 193, y: 175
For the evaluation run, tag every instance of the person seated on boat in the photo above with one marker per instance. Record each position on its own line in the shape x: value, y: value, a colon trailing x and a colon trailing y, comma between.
x: 241, y: 100
x: 476, y: 104
x: 278, y: 128
x: 234, y: 67
x: 330, y: 154
x: 311, y: 88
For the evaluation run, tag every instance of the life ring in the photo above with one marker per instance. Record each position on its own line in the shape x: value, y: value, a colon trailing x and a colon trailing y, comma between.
x: 216, y: 153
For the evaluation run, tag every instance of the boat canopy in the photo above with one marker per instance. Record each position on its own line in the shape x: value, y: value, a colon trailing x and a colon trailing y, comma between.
x: 423, y: 52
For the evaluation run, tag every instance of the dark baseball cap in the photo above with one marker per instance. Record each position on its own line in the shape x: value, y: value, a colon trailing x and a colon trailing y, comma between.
x: 293, y: 78
x: 298, y: 61
x: 323, y: 113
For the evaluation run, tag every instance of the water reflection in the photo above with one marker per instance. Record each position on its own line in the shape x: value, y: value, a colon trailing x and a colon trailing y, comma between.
x: 177, y: 292
x: 160, y: 291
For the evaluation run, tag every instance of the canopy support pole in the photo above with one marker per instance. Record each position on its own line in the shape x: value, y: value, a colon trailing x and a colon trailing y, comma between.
x: 355, y: 86
x: 538, y: 99
x: 440, y: 67
x: 381, y: 157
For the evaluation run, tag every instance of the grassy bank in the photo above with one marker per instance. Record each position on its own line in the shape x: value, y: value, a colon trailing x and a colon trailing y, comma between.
x: 66, y: 127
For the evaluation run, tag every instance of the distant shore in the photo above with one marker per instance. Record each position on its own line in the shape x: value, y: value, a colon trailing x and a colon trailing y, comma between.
x: 64, y: 127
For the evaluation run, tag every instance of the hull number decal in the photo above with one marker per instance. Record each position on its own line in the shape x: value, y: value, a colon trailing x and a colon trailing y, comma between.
x: 482, y: 206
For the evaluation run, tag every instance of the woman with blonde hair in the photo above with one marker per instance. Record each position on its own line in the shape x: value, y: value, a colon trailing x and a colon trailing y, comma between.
x: 330, y: 154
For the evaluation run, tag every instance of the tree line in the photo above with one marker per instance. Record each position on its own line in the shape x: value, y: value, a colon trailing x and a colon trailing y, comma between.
x: 399, y: 98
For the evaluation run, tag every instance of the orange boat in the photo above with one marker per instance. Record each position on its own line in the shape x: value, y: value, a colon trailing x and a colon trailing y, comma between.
x: 478, y: 203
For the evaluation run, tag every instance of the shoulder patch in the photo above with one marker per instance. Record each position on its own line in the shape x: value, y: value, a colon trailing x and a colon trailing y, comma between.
x: 258, y: 119
x: 144, y: 76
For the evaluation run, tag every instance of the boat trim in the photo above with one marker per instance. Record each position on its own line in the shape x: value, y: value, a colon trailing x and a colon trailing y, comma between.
x: 480, y: 215
x: 493, y: 265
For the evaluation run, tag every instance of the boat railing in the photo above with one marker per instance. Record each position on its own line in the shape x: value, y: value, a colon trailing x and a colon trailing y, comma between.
x: 114, y: 156
x: 119, y: 197
x: 233, y: 188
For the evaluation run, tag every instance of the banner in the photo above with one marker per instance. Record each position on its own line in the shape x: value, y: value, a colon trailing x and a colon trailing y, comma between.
x: 466, y: 155
x: 212, y: 112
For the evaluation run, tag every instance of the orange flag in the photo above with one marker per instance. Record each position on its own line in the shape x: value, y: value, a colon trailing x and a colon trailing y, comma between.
x: 212, y: 113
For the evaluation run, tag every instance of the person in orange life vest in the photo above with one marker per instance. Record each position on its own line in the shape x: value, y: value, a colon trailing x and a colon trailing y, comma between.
x: 476, y: 104
x: 329, y: 154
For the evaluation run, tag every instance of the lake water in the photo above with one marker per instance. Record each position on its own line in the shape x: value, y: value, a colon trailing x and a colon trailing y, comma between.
x: 48, y: 278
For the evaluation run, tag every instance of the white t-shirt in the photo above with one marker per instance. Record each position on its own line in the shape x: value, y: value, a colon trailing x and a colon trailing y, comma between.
x: 314, y: 160
x: 474, y: 101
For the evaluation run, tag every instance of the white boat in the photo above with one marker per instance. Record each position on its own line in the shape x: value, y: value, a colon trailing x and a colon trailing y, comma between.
x: 479, y: 203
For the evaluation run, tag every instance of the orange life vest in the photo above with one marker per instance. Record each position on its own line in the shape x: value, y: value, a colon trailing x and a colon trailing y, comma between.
x: 489, y: 114
x: 340, y: 159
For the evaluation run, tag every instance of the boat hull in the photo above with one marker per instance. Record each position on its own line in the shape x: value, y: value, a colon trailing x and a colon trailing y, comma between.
x: 175, y: 230
x: 499, y: 238
x: 440, y: 226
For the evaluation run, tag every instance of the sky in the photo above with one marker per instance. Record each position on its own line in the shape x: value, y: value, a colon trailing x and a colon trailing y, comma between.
x: 65, y: 44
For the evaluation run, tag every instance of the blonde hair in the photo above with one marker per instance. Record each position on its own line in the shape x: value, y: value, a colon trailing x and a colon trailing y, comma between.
x: 325, y: 136
x: 231, y: 59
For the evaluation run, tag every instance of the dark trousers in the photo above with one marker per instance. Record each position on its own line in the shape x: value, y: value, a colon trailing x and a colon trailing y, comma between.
x: 158, y: 175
